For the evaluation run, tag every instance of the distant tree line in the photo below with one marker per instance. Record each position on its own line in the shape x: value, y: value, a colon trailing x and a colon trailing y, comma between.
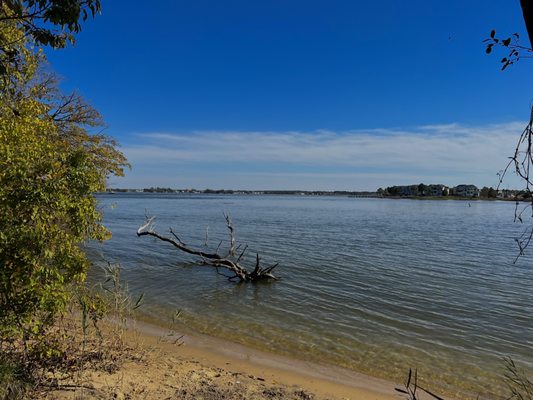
x: 488, y: 193
x: 231, y: 191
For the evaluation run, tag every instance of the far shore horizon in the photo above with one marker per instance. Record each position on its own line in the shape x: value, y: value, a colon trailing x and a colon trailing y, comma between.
x: 411, y: 191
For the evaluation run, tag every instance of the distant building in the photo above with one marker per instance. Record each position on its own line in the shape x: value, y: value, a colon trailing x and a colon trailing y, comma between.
x: 421, y: 190
x: 466, y: 191
x: 437, y: 190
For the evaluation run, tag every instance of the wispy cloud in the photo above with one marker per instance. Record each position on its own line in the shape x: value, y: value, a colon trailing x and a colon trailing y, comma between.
x: 359, y: 159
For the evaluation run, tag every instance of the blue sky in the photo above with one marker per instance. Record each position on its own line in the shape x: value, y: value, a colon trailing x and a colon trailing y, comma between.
x: 286, y: 94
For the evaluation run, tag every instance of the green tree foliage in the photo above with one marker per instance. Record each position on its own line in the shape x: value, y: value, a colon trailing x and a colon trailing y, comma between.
x: 50, y: 166
x: 49, y: 22
x: 423, y: 190
x: 393, y: 190
x: 488, y: 193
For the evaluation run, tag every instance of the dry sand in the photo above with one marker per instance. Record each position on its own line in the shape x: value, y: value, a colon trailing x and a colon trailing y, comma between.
x: 158, y: 366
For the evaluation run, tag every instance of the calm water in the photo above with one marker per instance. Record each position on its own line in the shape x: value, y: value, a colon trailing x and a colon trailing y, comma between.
x: 374, y: 285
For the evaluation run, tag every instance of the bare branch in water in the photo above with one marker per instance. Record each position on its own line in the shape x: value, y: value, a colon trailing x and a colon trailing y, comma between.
x: 215, y: 259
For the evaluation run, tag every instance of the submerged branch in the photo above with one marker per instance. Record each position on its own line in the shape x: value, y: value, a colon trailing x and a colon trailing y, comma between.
x: 215, y: 259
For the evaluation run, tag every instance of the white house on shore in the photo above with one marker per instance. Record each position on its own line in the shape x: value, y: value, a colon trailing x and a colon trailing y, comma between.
x: 466, y: 191
x: 433, y: 190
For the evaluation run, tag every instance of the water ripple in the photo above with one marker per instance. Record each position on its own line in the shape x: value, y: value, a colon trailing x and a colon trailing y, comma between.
x: 374, y: 285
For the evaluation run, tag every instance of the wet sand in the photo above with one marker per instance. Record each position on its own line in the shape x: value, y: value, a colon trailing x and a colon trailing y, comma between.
x: 159, y: 364
x: 322, y: 380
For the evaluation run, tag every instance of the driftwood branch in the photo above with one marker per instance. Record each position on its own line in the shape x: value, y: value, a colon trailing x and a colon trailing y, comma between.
x: 231, y: 229
x: 214, y: 259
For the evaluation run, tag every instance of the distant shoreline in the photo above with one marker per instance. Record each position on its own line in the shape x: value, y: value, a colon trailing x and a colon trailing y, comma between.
x: 344, y: 193
x: 370, y: 195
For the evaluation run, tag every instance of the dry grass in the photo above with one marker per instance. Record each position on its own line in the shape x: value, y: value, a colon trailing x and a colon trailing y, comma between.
x: 98, y: 354
x: 111, y: 368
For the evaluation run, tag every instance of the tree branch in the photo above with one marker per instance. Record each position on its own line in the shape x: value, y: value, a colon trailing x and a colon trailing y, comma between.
x: 214, y: 259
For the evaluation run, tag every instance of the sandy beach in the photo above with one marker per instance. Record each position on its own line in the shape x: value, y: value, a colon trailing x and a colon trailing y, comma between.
x: 160, y: 365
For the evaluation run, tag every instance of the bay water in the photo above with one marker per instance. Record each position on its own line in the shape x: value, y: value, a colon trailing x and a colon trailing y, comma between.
x: 374, y: 285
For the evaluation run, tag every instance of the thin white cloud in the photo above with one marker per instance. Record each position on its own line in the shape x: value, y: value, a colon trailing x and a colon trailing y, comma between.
x: 449, y: 154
